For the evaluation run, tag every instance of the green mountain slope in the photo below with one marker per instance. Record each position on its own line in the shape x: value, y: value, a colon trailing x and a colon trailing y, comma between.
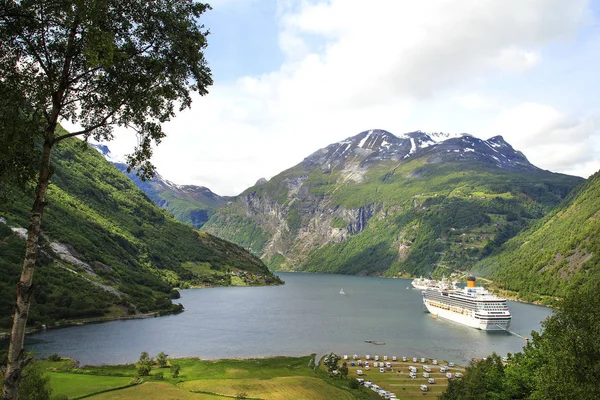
x: 379, y: 204
x: 557, y: 253
x: 108, y: 250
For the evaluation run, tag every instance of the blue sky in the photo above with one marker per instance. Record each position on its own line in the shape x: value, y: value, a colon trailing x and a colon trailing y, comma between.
x: 292, y: 76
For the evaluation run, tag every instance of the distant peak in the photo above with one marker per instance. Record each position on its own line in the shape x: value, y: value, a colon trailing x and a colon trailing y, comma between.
x: 497, y: 139
x: 442, y: 136
x: 105, y: 151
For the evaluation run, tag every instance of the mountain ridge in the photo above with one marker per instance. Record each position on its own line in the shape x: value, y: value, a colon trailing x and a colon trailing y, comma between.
x: 376, y: 203
x: 563, y: 245
x: 380, y: 204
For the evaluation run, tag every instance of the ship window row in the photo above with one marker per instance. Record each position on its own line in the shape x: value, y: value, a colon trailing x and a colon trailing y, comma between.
x: 454, y: 302
x: 444, y: 306
x: 458, y: 304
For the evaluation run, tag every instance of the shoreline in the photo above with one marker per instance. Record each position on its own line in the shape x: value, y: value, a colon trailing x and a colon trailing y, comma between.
x: 5, y: 335
x: 86, y: 321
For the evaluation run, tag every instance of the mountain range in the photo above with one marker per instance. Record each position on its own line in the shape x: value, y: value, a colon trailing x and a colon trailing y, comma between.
x: 380, y: 204
x: 107, y: 250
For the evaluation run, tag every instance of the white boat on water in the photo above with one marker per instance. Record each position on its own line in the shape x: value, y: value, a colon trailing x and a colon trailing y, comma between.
x: 422, y: 283
x: 342, y: 291
x: 472, y: 306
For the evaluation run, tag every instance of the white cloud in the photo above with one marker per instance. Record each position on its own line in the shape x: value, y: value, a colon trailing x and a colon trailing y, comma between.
x: 552, y: 140
x: 476, y: 101
x: 352, y: 65
x: 515, y: 60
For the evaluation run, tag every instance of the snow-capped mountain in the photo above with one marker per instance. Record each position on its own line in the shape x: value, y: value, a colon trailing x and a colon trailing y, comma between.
x: 375, y: 145
x: 377, y: 203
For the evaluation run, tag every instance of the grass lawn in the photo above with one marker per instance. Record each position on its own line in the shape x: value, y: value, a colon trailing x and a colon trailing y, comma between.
x: 275, y: 378
x: 154, y: 391
x: 261, y: 368
x: 281, y: 388
x: 76, y: 385
x: 265, y: 378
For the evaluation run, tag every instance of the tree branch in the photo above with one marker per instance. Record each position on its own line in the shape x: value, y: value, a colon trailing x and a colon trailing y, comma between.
x: 89, y: 129
x: 78, y: 77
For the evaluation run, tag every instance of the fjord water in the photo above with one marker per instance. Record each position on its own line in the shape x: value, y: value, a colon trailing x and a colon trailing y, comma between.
x: 306, y: 315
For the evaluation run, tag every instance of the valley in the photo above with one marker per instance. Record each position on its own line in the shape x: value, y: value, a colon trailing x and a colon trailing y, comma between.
x: 395, y: 206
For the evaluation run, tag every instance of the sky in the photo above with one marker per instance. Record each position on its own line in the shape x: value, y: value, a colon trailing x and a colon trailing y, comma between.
x: 293, y: 76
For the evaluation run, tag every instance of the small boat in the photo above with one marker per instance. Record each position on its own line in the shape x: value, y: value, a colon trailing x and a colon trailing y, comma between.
x: 377, y: 342
x: 342, y: 291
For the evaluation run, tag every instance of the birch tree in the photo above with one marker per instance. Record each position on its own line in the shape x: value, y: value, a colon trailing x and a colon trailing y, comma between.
x: 98, y: 64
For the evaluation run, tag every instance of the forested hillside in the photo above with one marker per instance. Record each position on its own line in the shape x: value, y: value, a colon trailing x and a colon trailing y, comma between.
x: 556, y: 254
x: 107, y: 250
x: 395, y: 206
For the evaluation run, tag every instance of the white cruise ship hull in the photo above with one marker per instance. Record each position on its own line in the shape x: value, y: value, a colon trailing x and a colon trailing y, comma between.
x: 467, y: 319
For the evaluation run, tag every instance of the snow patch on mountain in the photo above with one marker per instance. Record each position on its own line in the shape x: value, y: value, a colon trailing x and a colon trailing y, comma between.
x: 106, y: 153
x: 362, y: 142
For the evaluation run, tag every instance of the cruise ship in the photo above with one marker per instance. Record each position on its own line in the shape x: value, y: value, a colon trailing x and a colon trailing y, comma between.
x: 422, y: 283
x: 472, y: 306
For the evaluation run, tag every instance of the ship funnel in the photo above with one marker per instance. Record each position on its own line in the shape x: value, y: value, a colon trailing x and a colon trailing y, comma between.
x: 471, y: 282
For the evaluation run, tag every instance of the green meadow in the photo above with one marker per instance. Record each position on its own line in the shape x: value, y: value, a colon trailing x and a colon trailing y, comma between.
x: 276, y: 378
x: 269, y: 378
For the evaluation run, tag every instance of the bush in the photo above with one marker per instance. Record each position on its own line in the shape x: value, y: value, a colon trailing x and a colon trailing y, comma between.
x: 54, y: 357
x: 175, y: 368
x: 34, y: 384
x: 144, y: 365
x: 161, y: 360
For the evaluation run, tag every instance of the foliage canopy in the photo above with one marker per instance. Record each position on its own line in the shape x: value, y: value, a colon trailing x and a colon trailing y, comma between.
x: 104, y: 63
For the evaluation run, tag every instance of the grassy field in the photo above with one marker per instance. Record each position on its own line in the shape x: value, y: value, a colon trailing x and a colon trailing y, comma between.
x: 281, y: 388
x: 74, y: 385
x: 276, y: 378
x: 269, y: 378
x: 154, y: 391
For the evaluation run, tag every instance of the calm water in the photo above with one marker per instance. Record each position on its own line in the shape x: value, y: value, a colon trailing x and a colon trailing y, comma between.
x: 306, y: 315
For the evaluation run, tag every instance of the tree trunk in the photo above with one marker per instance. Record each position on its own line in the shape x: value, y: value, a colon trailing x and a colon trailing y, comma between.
x: 16, y: 354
